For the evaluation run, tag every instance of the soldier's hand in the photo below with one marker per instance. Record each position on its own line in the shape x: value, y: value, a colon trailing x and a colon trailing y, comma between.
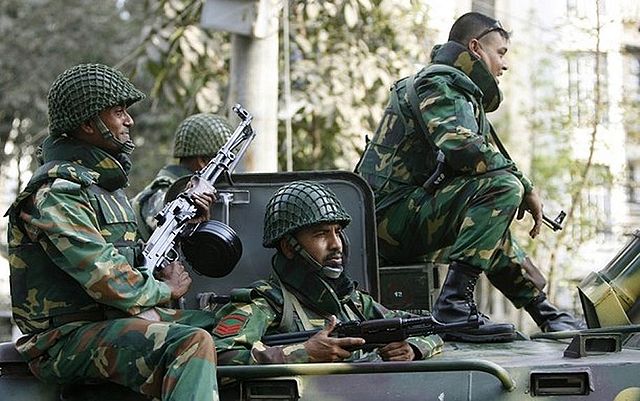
x: 397, y: 351
x: 176, y: 278
x: 533, y: 204
x: 203, y: 203
x: 323, y: 348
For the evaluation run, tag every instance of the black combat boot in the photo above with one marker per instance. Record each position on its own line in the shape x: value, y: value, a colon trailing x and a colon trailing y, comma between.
x: 549, y: 318
x: 454, y: 305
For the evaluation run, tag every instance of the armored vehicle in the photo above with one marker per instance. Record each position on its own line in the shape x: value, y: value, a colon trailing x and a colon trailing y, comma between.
x: 602, y: 363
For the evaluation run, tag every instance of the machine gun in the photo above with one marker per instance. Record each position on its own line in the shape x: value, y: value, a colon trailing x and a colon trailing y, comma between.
x: 173, y: 220
x: 378, y: 332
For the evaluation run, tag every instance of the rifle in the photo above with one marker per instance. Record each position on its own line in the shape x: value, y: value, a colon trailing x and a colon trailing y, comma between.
x: 173, y: 220
x: 377, y: 332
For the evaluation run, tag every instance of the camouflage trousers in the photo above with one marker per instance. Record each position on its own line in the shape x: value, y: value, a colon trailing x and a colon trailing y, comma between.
x: 466, y: 221
x: 173, y: 359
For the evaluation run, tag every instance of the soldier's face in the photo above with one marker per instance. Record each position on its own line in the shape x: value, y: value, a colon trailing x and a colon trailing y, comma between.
x: 323, y: 243
x: 119, y: 122
x: 492, y: 49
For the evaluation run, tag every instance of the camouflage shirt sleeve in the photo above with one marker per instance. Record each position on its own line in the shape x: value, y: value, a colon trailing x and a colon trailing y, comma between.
x: 65, y: 223
x: 423, y: 346
x: 150, y: 208
x: 451, y: 121
x: 238, y: 333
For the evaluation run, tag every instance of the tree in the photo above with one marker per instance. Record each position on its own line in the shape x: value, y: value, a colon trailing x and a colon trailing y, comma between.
x: 46, y: 37
x: 345, y: 55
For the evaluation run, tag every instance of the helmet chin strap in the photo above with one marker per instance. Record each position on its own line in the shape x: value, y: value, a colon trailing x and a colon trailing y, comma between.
x: 125, y: 147
x: 327, y: 271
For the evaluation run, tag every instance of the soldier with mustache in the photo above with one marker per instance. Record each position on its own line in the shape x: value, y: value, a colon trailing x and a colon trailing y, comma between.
x: 308, y: 289
x: 88, y: 306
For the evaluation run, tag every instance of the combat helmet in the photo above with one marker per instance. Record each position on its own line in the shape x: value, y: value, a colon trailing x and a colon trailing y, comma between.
x: 81, y: 92
x: 201, y: 135
x: 300, y: 204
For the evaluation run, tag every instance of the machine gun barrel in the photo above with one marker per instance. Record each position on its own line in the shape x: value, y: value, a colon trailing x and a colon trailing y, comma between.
x: 377, y: 331
x: 162, y: 247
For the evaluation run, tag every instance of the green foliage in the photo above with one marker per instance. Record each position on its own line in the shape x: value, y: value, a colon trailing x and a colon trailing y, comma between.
x: 46, y: 39
x: 344, y: 57
x: 189, y: 65
x: 187, y: 68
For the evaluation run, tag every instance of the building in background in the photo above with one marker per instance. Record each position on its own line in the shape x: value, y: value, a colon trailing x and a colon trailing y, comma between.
x: 631, y: 101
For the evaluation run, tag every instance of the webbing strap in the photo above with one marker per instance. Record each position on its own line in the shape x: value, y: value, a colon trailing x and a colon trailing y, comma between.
x: 286, y: 322
x: 414, y: 102
x: 498, y: 142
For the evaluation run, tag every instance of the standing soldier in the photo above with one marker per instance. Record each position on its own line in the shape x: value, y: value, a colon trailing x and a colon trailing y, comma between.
x: 436, y: 121
x: 197, y: 140
x: 88, y: 307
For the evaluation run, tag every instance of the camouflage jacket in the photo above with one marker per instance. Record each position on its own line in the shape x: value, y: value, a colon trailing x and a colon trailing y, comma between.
x: 259, y: 310
x: 71, y: 247
x: 148, y: 202
x: 453, y: 92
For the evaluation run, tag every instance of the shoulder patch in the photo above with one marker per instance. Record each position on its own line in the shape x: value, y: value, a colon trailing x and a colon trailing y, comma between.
x: 230, y: 325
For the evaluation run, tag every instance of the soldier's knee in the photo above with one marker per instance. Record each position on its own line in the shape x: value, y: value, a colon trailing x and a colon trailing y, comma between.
x: 199, y: 342
x: 202, y: 336
x: 509, y: 188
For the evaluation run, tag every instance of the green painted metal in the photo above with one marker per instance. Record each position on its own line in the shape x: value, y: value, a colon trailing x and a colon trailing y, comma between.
x: 463, y: 371
x: 264, y: 371
x: 634, y: 328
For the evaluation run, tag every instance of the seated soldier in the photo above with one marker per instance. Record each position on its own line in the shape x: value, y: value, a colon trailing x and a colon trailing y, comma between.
x: 438, y: 116
x: 308, y: 289
x: 197, y: 140
x: 88, y: 307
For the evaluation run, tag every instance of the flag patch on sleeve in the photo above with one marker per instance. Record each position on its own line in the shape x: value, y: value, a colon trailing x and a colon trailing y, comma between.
x: 230, y: 325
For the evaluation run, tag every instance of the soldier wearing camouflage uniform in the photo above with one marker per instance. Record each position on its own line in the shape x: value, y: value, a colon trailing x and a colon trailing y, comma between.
x: 87, y: 307
x: 307, y: 290
x: 465, y: 219
x: 197, y: 140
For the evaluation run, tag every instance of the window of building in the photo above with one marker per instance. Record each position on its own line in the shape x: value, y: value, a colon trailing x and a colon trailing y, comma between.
x: 631, y: 106
x: 595, y: 211
x: 581, y: 71
x: 585, y: 8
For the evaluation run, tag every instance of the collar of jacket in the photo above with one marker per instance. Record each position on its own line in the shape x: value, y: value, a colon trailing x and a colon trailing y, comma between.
x: 312, y: 290
x: 458, y: 56
x: 112, y: 174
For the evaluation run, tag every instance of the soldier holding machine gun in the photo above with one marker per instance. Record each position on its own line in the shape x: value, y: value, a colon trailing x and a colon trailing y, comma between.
x: 309, y: 289
x: 88, y: 305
